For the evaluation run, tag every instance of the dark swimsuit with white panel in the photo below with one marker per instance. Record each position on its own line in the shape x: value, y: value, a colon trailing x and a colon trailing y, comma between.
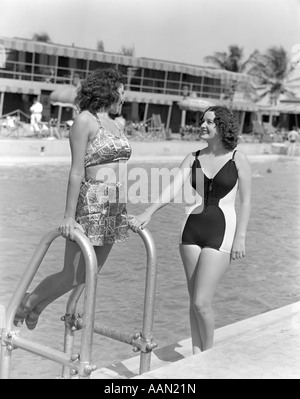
x: 101, y: 208
x: 214, y: 226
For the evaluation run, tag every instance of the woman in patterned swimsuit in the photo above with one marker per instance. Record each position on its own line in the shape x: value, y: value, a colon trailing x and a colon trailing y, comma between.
x: 96, y: 201
x: 211, y: 235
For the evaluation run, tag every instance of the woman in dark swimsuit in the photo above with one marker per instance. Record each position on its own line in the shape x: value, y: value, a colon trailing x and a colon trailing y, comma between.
x: 95, y: 201
x: 211, y: 235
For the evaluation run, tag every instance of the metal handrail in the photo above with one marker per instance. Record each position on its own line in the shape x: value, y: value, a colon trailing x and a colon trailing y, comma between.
x: 141, y: 341
x: 149, y: 299
x: 10, y: 338
x: 79, y: 363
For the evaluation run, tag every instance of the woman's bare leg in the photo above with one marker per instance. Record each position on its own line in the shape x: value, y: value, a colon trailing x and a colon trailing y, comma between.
x: 58, y: 284
x: 190, y: 257
x: 211, y: 269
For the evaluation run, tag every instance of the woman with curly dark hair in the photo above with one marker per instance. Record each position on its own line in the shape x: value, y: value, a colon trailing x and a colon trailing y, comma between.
x: 96, y: 201
x: 211, y: 235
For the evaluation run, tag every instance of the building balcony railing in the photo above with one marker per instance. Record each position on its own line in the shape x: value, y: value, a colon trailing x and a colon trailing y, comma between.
x: 58, y: 74
x: 171, y: 87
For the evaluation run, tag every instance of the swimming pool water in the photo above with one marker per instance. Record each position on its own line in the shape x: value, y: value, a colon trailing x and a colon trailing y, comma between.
x: 32, y: 202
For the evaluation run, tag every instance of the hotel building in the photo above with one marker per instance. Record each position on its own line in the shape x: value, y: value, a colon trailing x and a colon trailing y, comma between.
x: 36, y: 69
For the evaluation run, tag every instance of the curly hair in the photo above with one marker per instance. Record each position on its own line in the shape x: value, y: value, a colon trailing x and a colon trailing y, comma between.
x: 100, y: 89
x: 227, y: 125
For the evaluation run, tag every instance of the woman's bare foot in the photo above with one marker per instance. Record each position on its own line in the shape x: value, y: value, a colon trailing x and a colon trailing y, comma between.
x: 22, y: 311
x: 32, y: 319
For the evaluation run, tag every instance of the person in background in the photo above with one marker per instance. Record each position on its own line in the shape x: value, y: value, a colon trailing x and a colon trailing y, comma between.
x: 53, y: 129
x: 212, y: 235
x: 96, y: 201
x: 292, y: 138
x: 36, y: 111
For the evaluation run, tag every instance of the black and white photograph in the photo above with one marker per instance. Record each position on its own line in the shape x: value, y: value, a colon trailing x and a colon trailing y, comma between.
x: 150, y: 192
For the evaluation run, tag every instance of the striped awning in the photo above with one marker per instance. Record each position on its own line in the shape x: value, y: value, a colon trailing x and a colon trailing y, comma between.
x: 247, y: 106
x: 65, y: 97
x: 18, y: 86
x: 151, y: 98
x: 114, y: 58
x: 282, y: 108
x: 200, y: 104
x: 268, y: 111
x: 288, y: 108
x: 194, y: 104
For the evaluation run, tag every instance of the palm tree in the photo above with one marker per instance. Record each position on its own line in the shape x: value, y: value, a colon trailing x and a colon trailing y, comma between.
x: 41, y: 37
x: 231, y: 61
x: 272, y: 71
x: 126, y: 50
x: 100, y: 46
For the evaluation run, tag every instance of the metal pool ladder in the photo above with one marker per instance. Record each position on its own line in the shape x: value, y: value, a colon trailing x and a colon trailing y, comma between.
x: 80, y: 363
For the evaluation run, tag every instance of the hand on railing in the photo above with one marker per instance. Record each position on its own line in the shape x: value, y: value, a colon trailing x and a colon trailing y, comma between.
x: 139, y: 221
x: 67, y: 227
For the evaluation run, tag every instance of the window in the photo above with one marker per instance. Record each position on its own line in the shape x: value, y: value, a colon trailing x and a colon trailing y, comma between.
x: 173, y: 83
x: 211, y: 87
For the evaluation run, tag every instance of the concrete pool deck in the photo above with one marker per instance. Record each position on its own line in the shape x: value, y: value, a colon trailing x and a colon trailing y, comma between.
x: 266, y: 346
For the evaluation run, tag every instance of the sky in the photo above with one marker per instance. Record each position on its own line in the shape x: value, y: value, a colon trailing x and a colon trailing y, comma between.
x: 174, y: 30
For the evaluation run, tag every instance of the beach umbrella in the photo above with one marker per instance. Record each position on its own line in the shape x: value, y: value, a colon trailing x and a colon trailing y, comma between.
x: 194, y: 104
x: 64, y: 97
